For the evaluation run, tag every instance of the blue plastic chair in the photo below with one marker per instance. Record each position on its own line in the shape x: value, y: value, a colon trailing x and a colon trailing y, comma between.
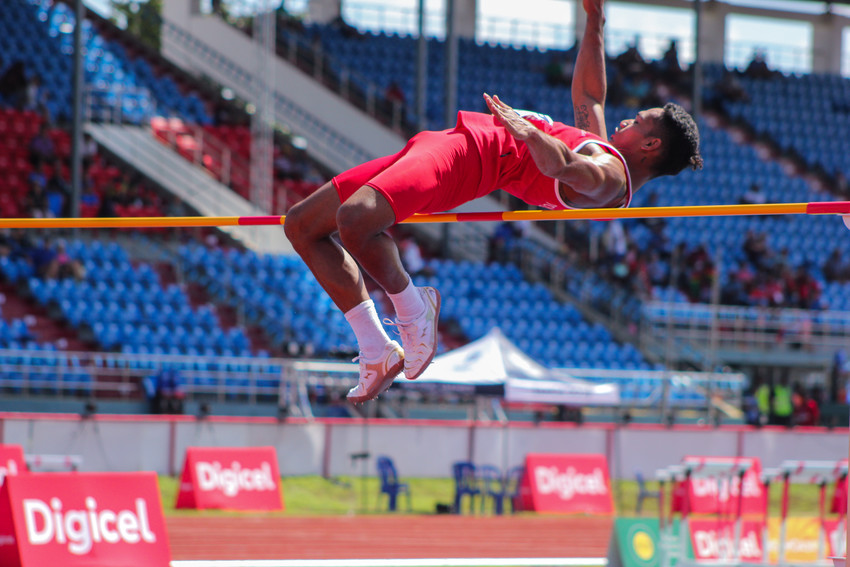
x: 466, y: 483
x: 644, y: 492
x: 493, y: 485
x: 390, y: 484
x: 512, y: 486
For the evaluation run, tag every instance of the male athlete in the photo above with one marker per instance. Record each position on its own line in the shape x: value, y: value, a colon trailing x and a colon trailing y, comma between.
x: 545, y: 163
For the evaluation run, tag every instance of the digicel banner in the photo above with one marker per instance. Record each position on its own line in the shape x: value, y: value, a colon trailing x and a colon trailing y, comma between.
x: 713, y: 540
x: 566, y: 483
x: 230, y: 479
x: 82, y: 519
x: 719, y: 495
x: 12, y: 461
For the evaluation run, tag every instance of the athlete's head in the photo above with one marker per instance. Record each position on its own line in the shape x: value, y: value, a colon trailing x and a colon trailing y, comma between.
x: 668, y: 136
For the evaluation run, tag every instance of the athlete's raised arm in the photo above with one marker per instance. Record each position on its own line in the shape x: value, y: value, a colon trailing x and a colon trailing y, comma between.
x: 589, y: 84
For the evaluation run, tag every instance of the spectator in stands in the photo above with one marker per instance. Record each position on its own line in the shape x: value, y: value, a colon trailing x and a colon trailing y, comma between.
x: 631, y: 62
x: 36, y: 203
x: 753, y: 196
x: 35, y: 98
x: 764, y: 399
x: 41, y: 255
x: 110, y: 198
x: 758, y: 68
x: 13, y: 84
x: 736, y: 289
x: 61, y: 189
x: 62, y: 266
x: 658, y: 270
x: 89, y: 150
x: 806, y: 409
x: 783, y: 408
x: 756, y: 249
x: 163, y: 391
x: 42, y: 150
x: 545, y: 163
x: 669, y: 67
x: 835, y: 268
x: 807, y: 290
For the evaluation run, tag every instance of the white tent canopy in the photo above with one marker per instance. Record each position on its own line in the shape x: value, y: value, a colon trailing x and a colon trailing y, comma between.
x: 494, y: 361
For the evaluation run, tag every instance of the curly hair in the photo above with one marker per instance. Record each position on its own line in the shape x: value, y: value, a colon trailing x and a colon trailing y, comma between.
x: 679, y: 134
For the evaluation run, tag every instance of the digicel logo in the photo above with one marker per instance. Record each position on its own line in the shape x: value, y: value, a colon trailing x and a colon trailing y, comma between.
x: 212, y: 476
x: 81, y: 529
x: 570, y: 482
x: 705, y: 487
x: 11, y: 468
x: 710, y: 544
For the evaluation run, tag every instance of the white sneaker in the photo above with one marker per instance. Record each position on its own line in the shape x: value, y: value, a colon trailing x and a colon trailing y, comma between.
x: 377, y: 375
x: 419, y: 337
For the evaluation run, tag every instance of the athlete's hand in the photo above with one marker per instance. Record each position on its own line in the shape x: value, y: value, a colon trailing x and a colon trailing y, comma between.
x: 516, y: 125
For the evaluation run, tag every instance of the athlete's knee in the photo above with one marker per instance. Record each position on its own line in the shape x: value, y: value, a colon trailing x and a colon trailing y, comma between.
x: 293, y: 225
x: 355, y: 228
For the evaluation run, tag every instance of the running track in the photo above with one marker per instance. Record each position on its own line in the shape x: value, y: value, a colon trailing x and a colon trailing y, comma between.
x: 386, y: 537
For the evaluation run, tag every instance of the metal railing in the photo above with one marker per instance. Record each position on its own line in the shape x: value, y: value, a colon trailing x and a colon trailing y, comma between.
x: 746, y: 328
x: 119, y: 376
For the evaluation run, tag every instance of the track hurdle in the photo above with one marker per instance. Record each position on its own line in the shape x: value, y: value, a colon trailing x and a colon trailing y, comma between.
x: 680, y: 477
x: 821, y: 473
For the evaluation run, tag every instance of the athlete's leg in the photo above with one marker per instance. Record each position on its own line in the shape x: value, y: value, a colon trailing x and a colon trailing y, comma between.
x: 310, y: 226
x: 362, y: 221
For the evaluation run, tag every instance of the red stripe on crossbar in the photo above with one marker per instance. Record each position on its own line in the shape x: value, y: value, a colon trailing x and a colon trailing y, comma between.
x: 264, y: 220
x: 827, y: 207
x: 480, y: 216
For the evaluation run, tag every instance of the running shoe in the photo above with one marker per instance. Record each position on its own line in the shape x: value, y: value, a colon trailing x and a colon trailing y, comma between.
x: 377, y: 375
x: 419, y: 337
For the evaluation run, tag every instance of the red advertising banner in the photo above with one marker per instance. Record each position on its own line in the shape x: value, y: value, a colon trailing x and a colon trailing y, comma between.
x: 566, y: 483
x: 715, y: 540
x: 12, y: 461
x: 230, y: 479
x: 719, y: 494
x: 82, y: 519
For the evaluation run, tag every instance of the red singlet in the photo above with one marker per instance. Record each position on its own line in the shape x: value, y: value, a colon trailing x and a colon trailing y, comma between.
x: 438, y: 171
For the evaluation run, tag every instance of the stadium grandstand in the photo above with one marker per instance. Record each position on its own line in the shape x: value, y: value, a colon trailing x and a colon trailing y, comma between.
x: 687, y: 317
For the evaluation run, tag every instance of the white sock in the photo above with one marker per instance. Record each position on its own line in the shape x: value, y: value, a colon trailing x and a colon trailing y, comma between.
x: 408, y: 303
x: 371, y: 337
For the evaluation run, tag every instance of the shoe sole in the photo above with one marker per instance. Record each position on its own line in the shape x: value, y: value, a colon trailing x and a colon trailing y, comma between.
x: 436, y: 335
x: 382, y: 385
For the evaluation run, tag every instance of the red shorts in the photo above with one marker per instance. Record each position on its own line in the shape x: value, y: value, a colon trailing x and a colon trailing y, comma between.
x: 435, y: 171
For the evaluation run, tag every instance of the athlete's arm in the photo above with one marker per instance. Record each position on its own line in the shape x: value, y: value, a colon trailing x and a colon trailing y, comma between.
x: 593, y: 179
x: 589, y: 84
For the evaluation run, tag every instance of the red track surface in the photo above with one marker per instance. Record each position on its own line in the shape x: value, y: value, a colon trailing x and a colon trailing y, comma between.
x: 387, y: 537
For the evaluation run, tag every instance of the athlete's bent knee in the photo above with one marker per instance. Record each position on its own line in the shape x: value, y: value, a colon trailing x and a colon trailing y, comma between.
x: 354, y: 229
x: 296, y: 226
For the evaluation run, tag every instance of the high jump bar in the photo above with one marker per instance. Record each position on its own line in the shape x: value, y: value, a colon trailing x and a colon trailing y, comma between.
x: 816, y: 208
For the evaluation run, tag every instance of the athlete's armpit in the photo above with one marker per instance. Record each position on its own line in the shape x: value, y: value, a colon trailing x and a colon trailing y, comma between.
x: 582, y: 116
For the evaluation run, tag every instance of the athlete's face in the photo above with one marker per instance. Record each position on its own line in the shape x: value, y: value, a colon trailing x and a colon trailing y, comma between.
x: 635, y: 131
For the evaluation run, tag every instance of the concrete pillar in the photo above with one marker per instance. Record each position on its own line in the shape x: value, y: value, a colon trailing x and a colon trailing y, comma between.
x: 464, y: 18
x: 826, y: 44
x: 324, y: 11
x: 580, y: 21
x: 712, y: 39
